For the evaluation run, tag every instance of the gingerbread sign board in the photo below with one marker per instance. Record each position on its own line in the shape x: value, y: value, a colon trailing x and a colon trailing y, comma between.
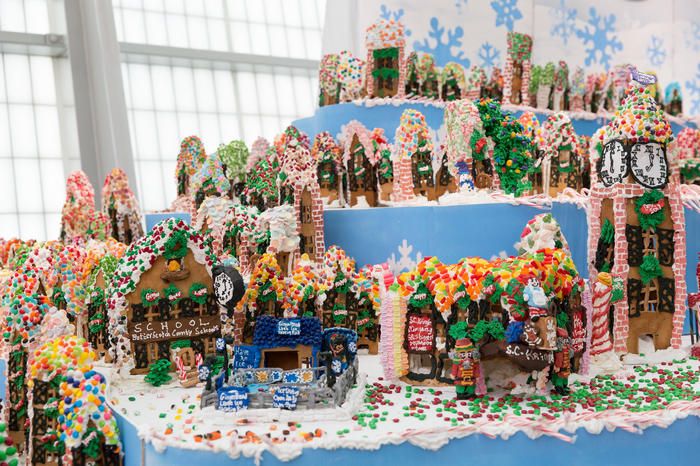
x: 529, y: 358
x: 421, y: 334
x: 175, y: 329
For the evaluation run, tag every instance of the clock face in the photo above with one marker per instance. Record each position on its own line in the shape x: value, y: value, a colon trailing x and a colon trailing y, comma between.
x: 649, y: 165
x: 614, y: 163
x: 223, y: 289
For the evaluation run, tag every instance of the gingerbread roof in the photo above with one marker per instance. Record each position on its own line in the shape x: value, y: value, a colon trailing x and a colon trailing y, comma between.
x: 385, y: 34
x: 639, y: 119
x: 412, y: 128
x: 558, y: 133
x: 347, y: 133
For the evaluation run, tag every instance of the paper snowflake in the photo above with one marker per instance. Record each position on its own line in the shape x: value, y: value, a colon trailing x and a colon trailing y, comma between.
x: 507, y: 13
x: 656, y: 52
x: 459, y: 4
x: 405, y: 262
x: 442, y: 50
x: 489, y: 55
x: 564, y: 24
x: 693, y: 87
x: 599, y: 35
x: 692, y: 36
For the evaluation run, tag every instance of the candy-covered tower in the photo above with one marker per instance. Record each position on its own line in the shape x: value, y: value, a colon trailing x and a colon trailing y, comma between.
x: 386, y: 68
x: 560, y: 155
x: 516, y: 74
x: 413, y: 145
x: 121, y: 207
x: 637, y: 225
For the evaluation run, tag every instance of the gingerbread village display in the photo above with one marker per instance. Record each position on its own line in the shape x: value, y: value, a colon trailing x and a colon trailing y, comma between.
x: 245, y: 317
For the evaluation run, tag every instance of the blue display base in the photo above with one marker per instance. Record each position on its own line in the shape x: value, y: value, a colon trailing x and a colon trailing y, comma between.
x: 674, y: 445
x: 332, y: 117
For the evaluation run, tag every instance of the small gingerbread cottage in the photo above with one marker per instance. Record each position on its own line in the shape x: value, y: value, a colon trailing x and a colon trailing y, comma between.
x: 421, y: 76
x: 350, y: 75
x: 688, y: 144
x: 242, y: 238
x: 161, y: 294
x: 96, y: 328
x: 452, y: 82
x: 189, y: 159
x: 494, y: 86
x: 386, y: 67
x: 561, y: 85
x: 561, y: 165
x: 476, y: 80
x: 301, y: 178
x: 461, y: 121
x: 413, y: 168
x: 329, y: 90
x: 121, y: 207
x: 338, y: 275
x: 636, y: 222
x: 78, y: 208
x: 516, y: 74
x: 360, y: 163
x: 384, y: 163
x: 330, y: 169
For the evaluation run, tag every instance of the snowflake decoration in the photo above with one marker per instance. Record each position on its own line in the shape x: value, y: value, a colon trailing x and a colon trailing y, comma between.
x: 656, y: 52
x: 489, y: 55
x: 694, y: 91
x: 459, y: 4
x: 386, y: 13
x: 564, y: 21
x: 442, y: 51
x: 507, y: 12
x: 405, y: 262
x: 600, y: 35
x: 692, y: 36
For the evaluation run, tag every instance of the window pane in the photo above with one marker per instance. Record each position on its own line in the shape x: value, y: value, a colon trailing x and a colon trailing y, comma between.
x: 266, y: 89
x: 258, y: 36
x: 146, y: 136
x: 156, y: 28
x: 248, y: 93
x: 240, y: 37
x: 50, y: 133
x: 225, y: 92
x: 134, y: 27
x: 7, y: 187
x: 163, y: 92
x: 17, y: 78
x: 22, y: 131
x: 9, y: 226
x: 197, y: 29
x: 31, y: 226
x: 53, y: 185
x: 28, y: 198
x: 205, y: 91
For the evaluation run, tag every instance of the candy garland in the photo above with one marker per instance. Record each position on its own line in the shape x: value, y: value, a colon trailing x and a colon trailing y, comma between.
x: 461, y: 121
x: 385, y: 34
x: 234, y: 156
x: 211, y: 175
x: 638, y: 119
x: 139, y: 258
x: 118, y: 197
x: 79, y: 206
x: 541, y: 232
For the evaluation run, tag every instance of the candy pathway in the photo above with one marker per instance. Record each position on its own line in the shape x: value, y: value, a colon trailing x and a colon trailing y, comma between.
x: 390, y: 413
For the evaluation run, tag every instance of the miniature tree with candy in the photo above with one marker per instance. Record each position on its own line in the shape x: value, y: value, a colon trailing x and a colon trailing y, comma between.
x: 190, y: 158
x: 421, y: 76
x: 532, y: 129
x: 120, y: 206
x: 158, y: 373
x: 384, y: 163
x: 263, y: 295
x: 234, y: 157
x: 338, y: 275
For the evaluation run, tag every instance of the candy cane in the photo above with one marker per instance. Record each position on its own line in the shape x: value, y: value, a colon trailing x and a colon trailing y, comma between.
x: 181, y: 372
x: 602, y: 293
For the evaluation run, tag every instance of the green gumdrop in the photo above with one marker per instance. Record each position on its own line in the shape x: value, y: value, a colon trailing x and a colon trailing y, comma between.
x: 11, y: 450
x: 2, y: 456
x: 13, y: 462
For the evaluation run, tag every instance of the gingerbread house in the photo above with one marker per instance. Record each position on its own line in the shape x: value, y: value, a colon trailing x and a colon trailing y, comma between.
x: 78, y: 208
x: 688, y: 144
x: 516, y: 73
x: 161, y: 294
x: 421, y: 76
x: 386, y: 66
x: 545, y: 80
x: 413, y: 158
x: 350, y: 75
x: 533, y: 130
x: 561, y: 165
x: 462, y: 120
x: 212, y: 188
x: 119, y: 204
x: 637, y: 223
x: 673, y: 99
x: 242, y: 237
x: 329, y: 166
x: 452, y: 82
x: 476, y: 80
x: 360, y: 163
x: 263, y: 296
x: 384, y: 163
x: 329, y: 90
x: 95, y: 329
x: 261, y: 183
x: 189, y: 159
x: 561, y: 85
x: 338, y: 274
x: 577, y: 90
x: 494, y: 86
